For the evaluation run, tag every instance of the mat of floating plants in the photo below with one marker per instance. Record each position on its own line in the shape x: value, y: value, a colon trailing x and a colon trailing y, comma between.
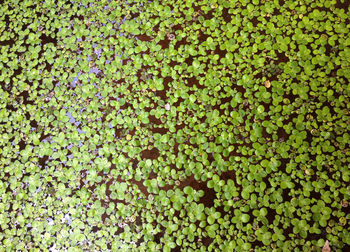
x: 210, y: 125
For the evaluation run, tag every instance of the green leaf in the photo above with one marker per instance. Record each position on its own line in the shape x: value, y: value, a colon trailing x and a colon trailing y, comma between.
x: 192, y: 98
x: 260, y: 109
x: 245, y: 217
x: 196, y: 64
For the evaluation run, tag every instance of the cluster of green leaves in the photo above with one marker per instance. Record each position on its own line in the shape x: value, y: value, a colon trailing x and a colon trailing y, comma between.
x: 196, y: 126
